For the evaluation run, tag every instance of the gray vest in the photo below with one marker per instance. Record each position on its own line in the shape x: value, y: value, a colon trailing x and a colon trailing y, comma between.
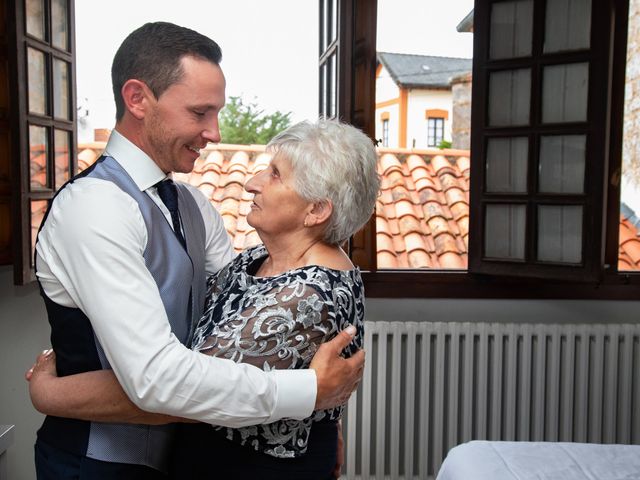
x: 180, y: 277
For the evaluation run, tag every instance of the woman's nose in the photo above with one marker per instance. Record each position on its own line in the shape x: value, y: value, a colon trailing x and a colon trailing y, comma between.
x: 252, y: 184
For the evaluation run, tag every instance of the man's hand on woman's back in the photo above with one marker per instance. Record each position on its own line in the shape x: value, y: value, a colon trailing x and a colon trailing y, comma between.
x: 337, y: 377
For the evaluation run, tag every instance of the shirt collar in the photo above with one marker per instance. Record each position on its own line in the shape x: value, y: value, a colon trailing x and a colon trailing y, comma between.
x: 140, y: 167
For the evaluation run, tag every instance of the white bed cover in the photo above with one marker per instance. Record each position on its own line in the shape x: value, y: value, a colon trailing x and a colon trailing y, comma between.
x: 484, y: 460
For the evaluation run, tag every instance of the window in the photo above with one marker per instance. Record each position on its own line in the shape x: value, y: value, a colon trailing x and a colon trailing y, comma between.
x: 435, y: 131
x: 385, y: 132
x: 353, y: 48
x: 42, y: 127
x: 544, y: 136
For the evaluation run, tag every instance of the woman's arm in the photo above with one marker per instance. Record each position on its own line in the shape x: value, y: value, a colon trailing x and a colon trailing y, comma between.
x: 96, y: 396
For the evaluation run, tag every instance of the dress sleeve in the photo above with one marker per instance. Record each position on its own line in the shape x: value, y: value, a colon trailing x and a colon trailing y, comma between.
x: 280, y: 328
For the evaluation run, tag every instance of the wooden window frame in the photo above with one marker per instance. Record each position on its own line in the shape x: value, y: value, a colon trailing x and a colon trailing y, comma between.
x: 611, y: 284
x: 385, y: 131
x: 435, y: 121
x: 21, y: 118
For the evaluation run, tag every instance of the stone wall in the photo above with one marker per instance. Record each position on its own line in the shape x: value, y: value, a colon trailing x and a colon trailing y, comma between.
x: 461, y: 114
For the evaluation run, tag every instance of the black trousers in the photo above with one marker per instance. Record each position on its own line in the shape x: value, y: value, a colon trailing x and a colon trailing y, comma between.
x: 55, y: 464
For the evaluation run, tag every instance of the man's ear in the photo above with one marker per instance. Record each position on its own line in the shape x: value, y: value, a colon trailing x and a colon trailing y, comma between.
x: 136, y: 96
x: 319, y: 213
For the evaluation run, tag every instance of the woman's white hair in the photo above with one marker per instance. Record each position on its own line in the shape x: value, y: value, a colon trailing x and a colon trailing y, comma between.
x: 334, y: 161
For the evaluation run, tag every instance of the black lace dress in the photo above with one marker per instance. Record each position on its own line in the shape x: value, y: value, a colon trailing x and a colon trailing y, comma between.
x: 273, y: 323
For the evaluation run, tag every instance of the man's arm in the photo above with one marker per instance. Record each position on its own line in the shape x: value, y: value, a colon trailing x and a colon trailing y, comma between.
x: 96, y: 396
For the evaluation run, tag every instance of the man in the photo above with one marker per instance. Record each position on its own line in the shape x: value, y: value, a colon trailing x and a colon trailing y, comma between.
x: 122, y: 257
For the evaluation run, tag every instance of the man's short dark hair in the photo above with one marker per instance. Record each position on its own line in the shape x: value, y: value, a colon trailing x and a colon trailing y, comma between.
x: 152, y: 54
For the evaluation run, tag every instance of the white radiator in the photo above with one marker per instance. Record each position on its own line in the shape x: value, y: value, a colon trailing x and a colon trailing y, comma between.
x: 430, y: 386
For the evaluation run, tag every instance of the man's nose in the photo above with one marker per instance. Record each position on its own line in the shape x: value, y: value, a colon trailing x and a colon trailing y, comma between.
x: 212, y: 134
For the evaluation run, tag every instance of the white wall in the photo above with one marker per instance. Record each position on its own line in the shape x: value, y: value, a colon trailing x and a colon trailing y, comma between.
x: 491, y: 310
x: 394, y: 124
x: 24, y: 332
x: 418, y: 102
x: 386, y: 88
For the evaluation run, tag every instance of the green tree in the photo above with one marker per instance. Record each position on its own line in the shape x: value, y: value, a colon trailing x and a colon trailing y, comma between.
x: 245, y: 123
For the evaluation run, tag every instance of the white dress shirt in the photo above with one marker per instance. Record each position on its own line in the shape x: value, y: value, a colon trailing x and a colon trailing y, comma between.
x: 90, y: 256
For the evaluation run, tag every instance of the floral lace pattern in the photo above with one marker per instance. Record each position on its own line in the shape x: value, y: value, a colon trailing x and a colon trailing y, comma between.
x: 278, y: 323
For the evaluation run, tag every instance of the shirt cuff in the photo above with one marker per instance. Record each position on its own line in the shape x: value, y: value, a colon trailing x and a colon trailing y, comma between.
x: 296, y: 394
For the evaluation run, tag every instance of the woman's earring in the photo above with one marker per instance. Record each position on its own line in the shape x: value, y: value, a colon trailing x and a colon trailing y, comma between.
x: 305, y: 223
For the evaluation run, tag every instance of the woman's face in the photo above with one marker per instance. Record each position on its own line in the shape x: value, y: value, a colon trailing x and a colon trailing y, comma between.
x: 277, y: 208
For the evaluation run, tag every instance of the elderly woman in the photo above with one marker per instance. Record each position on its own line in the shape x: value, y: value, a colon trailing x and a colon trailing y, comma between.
x: 275, y: 303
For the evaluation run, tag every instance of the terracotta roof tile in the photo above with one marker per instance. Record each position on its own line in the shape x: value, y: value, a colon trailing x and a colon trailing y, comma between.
x: 450, y: 260
x: 629, y: 246
x: 415, y: 241
x: 404, y: 207
x: 441, y: 165
x: 384, y: 242
x: 419, y: 259
x: 387, y: 260
x: 389, y: 163
x: 463, y: 164
x: 422, y: 212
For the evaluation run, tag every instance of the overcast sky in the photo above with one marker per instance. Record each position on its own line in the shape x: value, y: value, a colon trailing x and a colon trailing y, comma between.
x: 269, y: 47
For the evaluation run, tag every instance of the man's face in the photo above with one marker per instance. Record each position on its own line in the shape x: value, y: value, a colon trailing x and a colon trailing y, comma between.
x: 185, y: 116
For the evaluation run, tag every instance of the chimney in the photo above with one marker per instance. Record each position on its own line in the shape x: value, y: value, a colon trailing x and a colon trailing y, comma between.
x: 101, y: 134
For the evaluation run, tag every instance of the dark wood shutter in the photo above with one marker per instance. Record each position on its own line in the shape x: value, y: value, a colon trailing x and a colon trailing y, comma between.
x: 542, y: 123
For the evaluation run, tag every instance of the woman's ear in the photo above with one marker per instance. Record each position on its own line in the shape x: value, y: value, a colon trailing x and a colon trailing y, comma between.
x: 319, y: 213
x: 135, y: 95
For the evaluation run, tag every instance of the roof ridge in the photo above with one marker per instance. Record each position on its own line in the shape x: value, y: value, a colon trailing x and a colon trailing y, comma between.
x: 423, y: 55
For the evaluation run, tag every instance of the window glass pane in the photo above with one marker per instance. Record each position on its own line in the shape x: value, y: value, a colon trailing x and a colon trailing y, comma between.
x: 60, y: 24
x: 61, y: 89
x: 560, y: 233
x: 629, y: 230
x: 324, y: 94
x: 35, y: 18
x: 562, y: 163
x: 435, y: 131
x: 511, y: 29
x: 37, y: 82
x: 567, y: 25
x: 38, y: 209
x: 507, y: 160
x: 564, y: 93
x: 509, y: 97
x: 324, y: 34
x: 423, y: 99
x: 333, y: 86
x: 38, y: 158
x: 385, y: 133
x: 334, y: 19
x: 61, y: 148
x: 504, y: 234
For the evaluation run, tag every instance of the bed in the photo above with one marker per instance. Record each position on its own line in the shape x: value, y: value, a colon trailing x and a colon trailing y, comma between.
x: 484, y: 460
